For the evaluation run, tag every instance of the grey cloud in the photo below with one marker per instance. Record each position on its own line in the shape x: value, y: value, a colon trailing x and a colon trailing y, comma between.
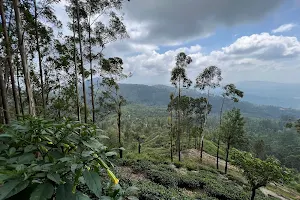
x: 169, y: 21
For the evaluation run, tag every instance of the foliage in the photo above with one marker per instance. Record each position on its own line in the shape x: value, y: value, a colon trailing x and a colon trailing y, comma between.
x: 232, y: 128
x: 258, y: 172
x: 61, y: 156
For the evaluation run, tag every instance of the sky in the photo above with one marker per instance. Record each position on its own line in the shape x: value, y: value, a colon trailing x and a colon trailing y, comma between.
x: 249, y: 40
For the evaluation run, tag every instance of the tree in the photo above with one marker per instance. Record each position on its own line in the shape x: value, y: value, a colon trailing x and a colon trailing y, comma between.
x: 31, y: 105
x: 230, y: 92
x: 111, y: 101
x: 208, y: 79
x: 99, y: 34
x: 9, y: 57
x: 3, y: 95
x: 259, y: 149
x: 178, y: 78
x: 258, y: 172
x: 201, y: 107
x: 232, y: 130
x: 79, y: 30
x: 170, y: 109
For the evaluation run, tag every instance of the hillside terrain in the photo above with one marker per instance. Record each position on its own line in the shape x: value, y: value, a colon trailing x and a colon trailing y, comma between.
x: 158, y: 95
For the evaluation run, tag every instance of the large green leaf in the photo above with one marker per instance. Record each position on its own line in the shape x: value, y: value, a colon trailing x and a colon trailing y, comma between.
x: 54, y: 177
x: 30, y: 148
x: 42, y: 192
x: 64, y: 192
x: 8, y: 187
x: 18, y: 188
x: 93, y: 181
x: 5, y: 135
x: 80, y: 196
x: 93, y: 144
x: 26, y: 158
x: 111, y: 153
x: 11, y: 151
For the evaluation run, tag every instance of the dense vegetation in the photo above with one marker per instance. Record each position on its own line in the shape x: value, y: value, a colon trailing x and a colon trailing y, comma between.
x: 62, y: 137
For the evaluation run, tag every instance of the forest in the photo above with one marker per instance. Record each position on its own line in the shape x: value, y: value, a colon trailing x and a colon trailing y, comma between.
x: 69, y: 129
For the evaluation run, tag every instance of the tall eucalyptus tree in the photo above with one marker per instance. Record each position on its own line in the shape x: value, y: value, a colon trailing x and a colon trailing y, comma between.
x: 232, y: 93
x: 178, y: 79
x: 208, y: 79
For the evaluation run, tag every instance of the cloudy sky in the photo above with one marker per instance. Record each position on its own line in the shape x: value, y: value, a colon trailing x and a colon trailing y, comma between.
x: 248, y: 39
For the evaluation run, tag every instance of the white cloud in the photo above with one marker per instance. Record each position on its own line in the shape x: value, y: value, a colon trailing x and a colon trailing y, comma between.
x: 255, y: 57
x: 284, y: 28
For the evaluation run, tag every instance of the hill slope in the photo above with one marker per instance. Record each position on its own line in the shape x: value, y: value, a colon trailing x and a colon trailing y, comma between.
x: 158, y: 95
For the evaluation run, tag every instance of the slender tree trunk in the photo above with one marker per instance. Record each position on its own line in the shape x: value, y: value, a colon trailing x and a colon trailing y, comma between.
x: 119, y: 129
x: 81, y: 62
x: 179, y: 128
x: 3, y: 96
x: 91, y: 69
x: 2, y: 121
x: 253, y: 193
x: 227, y: 155
x: 30, y: 99
x: 9, y: 59
x: 19, y: 88
x: 201, y: 149
x: 139, y: 148
x: 171, y: 134
x: 189, y: 137
x: 205, y: 122
x: 40, y: 57
x: 76, y: 71
x: 219, y: 135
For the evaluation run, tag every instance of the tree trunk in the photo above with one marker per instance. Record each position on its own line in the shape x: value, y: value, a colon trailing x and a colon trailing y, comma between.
x: 218, y: 149
x: 219, y: 136
x: 119, y: 130
x: 2, y: 121
x: 202, y: 144
x: 9, y: 59
x: 91, y: 69
x: 253, y: 193
x: 171, y: 135
x: 3, y: 96
x: 178, y: 129
x: 205, y: 119
x: 19, y: 88
x: 40, y: 57
x: 31, y: 105
x: 76, y: 72
x: 227, y: 155
x: 81, y: 62
x: 139, y: 147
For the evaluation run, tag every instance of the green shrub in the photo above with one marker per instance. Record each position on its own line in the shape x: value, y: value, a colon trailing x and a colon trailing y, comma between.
x: 40, y: 155
x: 165, y: 178
x: 178, y: 164
x: 151, y: 191
x: 190, y: 166
x: 224, y: 190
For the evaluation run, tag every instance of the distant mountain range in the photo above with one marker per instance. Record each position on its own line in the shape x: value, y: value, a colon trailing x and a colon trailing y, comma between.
x: 259, y: 93
x: 270, y: 93
x: 158, y: 95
